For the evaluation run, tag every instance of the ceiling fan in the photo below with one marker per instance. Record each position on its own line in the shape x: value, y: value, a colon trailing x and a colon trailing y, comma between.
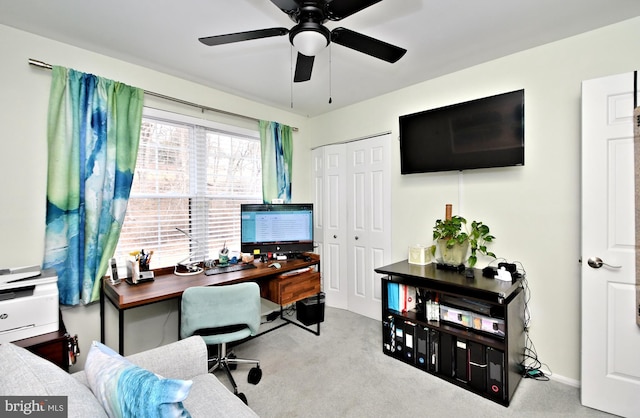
x: 309, y: 36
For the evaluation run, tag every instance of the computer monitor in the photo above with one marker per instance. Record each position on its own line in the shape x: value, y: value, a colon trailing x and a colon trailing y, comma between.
x: 279, y: 229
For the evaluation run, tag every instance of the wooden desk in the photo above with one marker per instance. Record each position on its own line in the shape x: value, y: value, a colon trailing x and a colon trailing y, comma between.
x: 166, y: 286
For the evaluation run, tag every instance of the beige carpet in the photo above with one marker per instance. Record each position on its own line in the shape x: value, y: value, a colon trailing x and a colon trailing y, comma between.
x: 343, y: 373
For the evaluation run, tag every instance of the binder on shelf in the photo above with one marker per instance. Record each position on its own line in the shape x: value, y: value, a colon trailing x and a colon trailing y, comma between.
x: 495, y: 381
x: 447, y: 355
x: 422, y: 349
x: 434, y: 350
x: 393, y: 296
x: 409, y: 342
x: 407, y: 298
x: 399, y: 338
x: 477, y: 366
x: 388, y: 335
x: 462, y: 361
x: 393, y: 335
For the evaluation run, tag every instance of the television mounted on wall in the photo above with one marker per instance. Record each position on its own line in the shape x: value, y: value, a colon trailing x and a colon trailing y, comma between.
x: 481, y: 133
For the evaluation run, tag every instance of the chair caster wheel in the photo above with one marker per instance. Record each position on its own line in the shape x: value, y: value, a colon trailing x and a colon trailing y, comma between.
x: 242, y: 398
x: 232, y: 366
x: 255, y: 375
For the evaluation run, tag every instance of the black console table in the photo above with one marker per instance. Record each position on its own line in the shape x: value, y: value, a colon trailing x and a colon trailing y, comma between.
x: 476, y: 339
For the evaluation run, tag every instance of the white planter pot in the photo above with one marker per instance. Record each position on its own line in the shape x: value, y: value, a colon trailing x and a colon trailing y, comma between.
x: 455, y: 255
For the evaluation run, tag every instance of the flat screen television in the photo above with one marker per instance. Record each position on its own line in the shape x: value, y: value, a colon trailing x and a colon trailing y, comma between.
x: 280, y: 229
x: 482, y: 133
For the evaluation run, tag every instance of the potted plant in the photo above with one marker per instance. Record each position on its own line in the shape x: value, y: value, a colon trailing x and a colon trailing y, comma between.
x: 455, y: 237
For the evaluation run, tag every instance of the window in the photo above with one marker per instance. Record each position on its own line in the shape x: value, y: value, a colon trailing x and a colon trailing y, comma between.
x: 191, y: 177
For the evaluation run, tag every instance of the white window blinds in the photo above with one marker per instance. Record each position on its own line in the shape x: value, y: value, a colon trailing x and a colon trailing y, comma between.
x: 191, y: 177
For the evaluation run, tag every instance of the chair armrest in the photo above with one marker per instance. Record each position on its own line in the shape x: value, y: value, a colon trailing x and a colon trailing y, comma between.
x: 183, y: 359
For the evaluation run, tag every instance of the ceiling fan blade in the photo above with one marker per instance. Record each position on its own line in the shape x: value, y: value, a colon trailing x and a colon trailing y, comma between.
x: 337, y: 10
x: 243, y: 36
x: 367, y: 45
x: 304, y: 65
x: 287, y: 6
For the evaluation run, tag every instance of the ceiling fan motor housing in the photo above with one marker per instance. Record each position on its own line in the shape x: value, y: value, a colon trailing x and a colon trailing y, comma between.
x: 309, y: 19
x: 304, y: 28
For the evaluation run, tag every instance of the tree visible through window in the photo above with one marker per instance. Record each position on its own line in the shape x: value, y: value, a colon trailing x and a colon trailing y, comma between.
x: 191, y: 177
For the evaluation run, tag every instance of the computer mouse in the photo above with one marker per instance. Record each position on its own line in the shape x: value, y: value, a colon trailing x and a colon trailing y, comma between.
x: 275, y: 265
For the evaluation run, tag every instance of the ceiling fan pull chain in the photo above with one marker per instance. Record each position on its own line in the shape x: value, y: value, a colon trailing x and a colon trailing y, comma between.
x: 330, y: 100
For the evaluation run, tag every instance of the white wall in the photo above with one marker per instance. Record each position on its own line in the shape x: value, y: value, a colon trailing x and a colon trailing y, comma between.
x: 534, y: 210
x: 23, y: 164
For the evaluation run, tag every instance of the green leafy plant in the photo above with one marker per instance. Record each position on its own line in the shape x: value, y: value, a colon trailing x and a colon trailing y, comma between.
x: 456, y: 231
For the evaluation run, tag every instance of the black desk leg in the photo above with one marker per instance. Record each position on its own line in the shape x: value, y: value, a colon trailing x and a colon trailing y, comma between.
x: 101, y: 313
x: 318, y: 324
x: 121, y: 331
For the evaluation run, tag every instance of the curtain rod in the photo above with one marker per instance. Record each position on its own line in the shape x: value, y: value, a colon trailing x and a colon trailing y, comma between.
x: 41, y: 64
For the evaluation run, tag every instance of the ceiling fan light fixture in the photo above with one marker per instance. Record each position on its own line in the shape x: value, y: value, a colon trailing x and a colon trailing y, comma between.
x: 309, y: 39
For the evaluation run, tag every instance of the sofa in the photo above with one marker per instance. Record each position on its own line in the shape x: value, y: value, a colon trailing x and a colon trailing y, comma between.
x: 180, y: 364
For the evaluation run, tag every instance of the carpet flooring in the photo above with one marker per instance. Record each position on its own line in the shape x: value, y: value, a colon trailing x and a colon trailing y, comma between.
x: 343, y: 373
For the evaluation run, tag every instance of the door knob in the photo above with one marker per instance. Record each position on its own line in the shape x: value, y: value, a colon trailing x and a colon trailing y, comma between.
x: 596, y: 263
x: 356, y: 237
x: 335, y: 236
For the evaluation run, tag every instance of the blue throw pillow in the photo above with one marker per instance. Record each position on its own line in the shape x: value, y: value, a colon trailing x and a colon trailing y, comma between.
x: 126, y: 390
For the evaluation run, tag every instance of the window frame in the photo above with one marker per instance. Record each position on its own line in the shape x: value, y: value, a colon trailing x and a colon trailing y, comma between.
x: 199, y: 243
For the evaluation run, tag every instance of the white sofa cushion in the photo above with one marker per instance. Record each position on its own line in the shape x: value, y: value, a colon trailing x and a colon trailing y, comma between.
x: 22, y: 373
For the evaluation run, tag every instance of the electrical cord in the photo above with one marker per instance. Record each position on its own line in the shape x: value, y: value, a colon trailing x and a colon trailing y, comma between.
x: 271, y: 317
x: 286, y: 311
x: 289, y: 310
x: 531, y: 364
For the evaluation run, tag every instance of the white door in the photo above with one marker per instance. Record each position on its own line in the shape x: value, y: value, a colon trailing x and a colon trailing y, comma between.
x: 331, y: 221
x: 610, y: 337
x: 369, y: 222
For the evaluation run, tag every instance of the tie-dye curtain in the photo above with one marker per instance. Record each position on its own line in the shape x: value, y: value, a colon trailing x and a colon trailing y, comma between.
x: 277, y: 160
x: 93, y: 134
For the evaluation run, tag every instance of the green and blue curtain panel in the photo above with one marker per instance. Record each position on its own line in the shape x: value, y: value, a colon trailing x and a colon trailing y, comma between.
x: 277, y: 160
x: 93, y: 133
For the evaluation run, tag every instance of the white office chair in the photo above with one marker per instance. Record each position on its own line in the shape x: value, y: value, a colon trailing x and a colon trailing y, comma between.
x: 221, y: 315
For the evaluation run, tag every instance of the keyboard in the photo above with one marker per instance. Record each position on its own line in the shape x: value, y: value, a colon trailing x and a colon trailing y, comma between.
x: 228, y: 269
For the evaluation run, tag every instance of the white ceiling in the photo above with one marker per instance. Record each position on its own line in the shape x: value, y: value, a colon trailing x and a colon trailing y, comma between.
x: 441, y: 36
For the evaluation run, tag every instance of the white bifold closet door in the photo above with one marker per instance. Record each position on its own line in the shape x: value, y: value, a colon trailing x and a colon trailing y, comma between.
x: 353, y: 221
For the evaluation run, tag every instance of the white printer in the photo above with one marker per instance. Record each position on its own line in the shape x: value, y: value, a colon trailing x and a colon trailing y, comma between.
x: 28, y: 303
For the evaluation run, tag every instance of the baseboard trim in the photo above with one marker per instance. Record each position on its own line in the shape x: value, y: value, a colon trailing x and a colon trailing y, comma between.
x: 562, y: 379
